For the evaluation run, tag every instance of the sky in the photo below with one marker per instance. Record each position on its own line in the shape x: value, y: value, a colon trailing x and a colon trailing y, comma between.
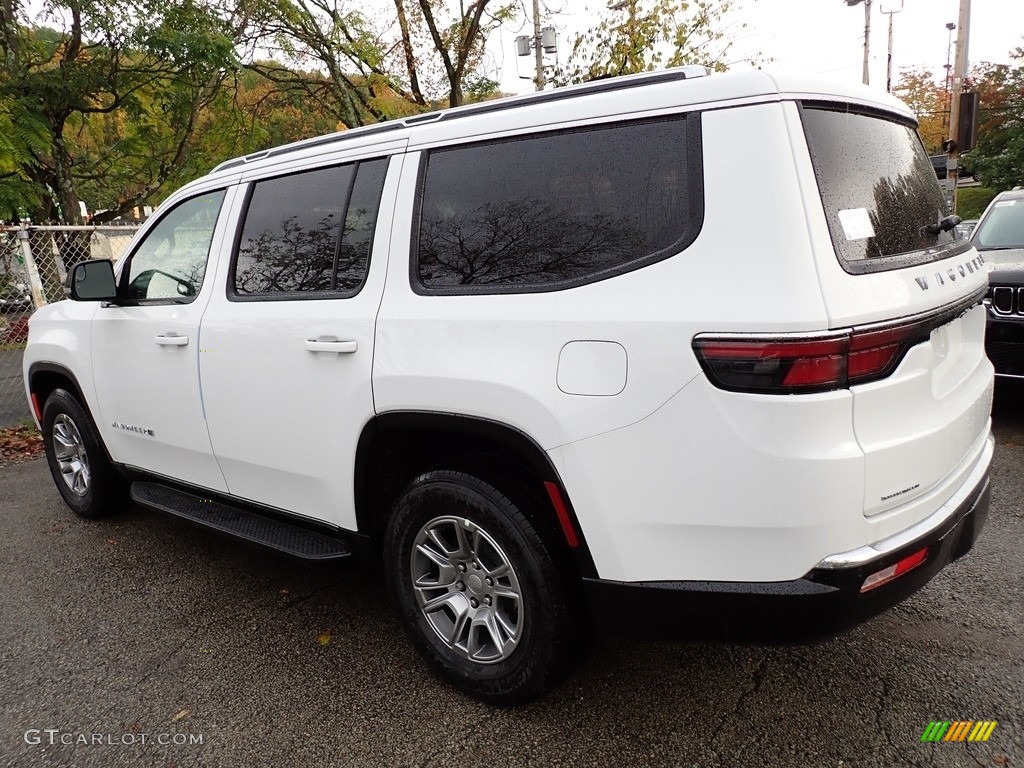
x: 823, y: 37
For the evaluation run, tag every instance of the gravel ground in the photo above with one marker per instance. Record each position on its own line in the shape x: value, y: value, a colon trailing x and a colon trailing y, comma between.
x: 144, y: 629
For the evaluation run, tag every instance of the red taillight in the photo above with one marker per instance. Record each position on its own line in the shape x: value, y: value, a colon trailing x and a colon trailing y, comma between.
x: 893, y: 572
x: 876, y: 353
x: 774, y: 365
x: 794, y: 365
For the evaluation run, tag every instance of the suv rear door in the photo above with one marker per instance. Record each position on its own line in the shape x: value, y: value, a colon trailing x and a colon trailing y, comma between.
x: 289, y: 338
x: 888, y: 258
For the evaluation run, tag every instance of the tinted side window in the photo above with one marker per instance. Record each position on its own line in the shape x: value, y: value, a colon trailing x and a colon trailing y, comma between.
x: 360, y: 220
x: 170, y: 263
x: 881, y: 197
x: 557, y: 209
x: 290, y: 235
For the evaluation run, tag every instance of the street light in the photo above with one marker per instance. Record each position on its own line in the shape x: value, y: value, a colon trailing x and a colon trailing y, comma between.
x: 867, y: 32
x: 890, y: 9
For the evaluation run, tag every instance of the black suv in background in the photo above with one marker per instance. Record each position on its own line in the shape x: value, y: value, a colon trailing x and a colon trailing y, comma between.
x: 999, y: 237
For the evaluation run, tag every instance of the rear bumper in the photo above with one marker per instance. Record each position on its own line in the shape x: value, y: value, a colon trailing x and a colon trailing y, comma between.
x: 823, y: 603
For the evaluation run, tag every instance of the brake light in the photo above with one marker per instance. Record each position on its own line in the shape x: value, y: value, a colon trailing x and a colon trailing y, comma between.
x: 893, y: 572
x: 793, y: 365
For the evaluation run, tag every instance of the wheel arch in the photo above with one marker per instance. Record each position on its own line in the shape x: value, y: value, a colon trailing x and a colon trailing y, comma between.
x: 394, y: 447
x: 45, y: 377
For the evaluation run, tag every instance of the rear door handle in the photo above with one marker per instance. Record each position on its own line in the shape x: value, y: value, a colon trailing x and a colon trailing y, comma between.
x: 340, y: 347
x: 172, y: 340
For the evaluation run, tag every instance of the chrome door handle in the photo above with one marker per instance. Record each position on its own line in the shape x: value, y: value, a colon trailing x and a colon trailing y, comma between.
x: 340, y: 347
x: 171, y: 340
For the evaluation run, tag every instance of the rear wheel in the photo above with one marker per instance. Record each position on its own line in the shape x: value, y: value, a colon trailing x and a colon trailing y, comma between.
x: 478, y: 589
x: 81, y: 470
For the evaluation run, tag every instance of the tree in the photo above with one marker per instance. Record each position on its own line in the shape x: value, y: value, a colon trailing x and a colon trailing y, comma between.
x: 251, y: 113
x: 378, y: 69
x: 998, y: 158
x: 23, y: 137
x: 117, y: 92
x: 643, y: 35
x: 930, y: 103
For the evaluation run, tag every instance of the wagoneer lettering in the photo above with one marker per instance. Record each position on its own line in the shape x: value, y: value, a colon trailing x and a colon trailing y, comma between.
x: 604, y: 357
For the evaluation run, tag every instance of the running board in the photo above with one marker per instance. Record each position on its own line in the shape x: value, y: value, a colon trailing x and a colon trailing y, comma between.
x: 268, y: 531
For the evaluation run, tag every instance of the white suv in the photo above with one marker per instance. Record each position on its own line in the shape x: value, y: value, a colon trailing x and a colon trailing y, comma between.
x: 675, y: 354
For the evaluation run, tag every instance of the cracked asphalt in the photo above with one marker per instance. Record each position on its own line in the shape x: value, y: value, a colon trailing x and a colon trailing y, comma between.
x: 145, y: 628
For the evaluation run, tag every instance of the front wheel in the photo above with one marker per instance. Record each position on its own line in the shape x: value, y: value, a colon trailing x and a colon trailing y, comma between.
x: 478, y: 589
x: 81, y: 470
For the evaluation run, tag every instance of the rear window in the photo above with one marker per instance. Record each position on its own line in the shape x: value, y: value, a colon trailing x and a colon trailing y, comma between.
x: 881, y: 198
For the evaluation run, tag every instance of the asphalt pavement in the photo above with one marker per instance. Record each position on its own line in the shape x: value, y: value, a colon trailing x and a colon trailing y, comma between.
x: 144, y: 641
x: 13, y: 405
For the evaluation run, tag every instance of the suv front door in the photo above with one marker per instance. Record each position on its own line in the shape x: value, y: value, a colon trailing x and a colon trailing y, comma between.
x: 146, y: 349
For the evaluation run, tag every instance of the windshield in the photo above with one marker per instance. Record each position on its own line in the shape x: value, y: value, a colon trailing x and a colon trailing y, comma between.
x: 1003, y: 227
x: 882, y: 200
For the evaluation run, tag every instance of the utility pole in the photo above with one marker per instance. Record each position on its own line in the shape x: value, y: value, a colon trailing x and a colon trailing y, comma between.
x: 890, y: 10
x: 867, y: 34
x: 959, y: 75
x: 867, y: 39
x: 544, y: 40
x: 538, y: 48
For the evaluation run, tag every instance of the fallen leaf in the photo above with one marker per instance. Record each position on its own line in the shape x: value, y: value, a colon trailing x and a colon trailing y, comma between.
x: 180, y: 716
x: 325, y: 637
x: 20, y: 443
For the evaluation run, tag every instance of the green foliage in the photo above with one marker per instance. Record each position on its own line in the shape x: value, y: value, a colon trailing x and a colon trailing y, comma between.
x: 107, y: 103
x: 644, y: 35
x: 23, y: 138
x: 971, y: 202
x: 998, y: 158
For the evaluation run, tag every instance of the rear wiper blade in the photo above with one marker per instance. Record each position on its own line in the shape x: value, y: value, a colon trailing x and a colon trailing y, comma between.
x: 943, y: 225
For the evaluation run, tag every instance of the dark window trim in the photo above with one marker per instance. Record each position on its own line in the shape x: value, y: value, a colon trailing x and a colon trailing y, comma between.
x: 882, y: 263
x: 124, y: 277
x: 341, y: 235
x: 329, y: 294
x: 694, y: 197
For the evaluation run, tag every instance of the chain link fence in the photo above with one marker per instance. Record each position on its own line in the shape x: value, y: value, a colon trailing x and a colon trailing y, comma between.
x: 34, y: 263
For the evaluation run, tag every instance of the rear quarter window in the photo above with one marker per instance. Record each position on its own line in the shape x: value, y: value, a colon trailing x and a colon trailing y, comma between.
x: 879, y: 190
x: 554, y: 210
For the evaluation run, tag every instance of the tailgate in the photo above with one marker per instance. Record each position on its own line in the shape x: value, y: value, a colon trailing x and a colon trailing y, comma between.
x: 917, y: 427
x: 888, y: 256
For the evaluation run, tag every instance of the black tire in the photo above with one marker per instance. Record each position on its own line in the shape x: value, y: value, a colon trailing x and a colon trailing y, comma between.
x: 539, y: 626
x: 70, y: 436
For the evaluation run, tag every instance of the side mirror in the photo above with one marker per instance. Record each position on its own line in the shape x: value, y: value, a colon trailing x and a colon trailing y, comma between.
x: 93, y: 281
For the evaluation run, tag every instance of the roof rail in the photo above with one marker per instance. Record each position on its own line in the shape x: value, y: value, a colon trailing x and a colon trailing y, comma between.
x: 601, y: 85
